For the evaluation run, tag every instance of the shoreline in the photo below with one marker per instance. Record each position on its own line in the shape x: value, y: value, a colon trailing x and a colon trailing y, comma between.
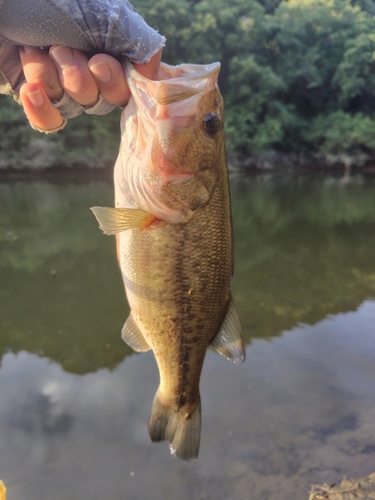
x: 267, y: 163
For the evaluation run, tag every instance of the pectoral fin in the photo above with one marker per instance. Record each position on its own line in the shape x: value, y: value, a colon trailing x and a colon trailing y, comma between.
x: 116, y: 220
x: 228, y: 341
x: 132, y: 335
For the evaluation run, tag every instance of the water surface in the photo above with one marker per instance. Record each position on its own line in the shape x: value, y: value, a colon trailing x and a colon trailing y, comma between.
x: 75, y: 400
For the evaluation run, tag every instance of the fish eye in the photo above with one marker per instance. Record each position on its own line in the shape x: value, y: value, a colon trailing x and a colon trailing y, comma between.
x: 211, y: 123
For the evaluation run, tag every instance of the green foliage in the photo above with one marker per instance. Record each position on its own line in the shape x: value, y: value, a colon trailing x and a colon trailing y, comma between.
x: 173, y: 19
x: 86, y: 140
x: 336, y: 131
x: 247, y: 104
x: 287, y: 68
x: 355, y: 74
x: 366, y: 5
x: 312, y: 47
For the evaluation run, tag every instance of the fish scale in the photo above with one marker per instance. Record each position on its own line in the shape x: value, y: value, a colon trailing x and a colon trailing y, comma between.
x: 173, y: 273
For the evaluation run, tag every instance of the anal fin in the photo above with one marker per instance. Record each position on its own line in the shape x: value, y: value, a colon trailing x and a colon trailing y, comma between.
x: 228, y: 341
x: 132, y: 335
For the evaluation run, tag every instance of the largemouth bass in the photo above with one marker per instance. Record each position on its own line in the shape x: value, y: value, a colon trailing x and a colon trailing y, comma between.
x: 174, y: 239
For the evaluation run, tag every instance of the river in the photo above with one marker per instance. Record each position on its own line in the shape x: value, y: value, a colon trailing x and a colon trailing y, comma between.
x: 75, y: 400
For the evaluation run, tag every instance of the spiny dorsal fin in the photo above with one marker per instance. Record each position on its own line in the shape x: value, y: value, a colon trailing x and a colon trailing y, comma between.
x: 132, y: 335
x: 116, y: 220
x: 228, y: 341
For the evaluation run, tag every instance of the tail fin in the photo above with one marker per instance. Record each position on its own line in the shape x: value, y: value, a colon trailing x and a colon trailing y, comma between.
x: 182, y: 429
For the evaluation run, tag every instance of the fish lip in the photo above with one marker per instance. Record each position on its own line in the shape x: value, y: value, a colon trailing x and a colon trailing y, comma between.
x: 190, y: 80
x: 200, y: 71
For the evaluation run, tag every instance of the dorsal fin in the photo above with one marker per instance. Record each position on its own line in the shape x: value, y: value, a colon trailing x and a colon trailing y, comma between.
x: 228, y: 341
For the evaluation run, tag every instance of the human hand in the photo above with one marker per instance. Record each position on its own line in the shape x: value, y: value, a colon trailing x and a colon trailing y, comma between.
x: 50, y: 74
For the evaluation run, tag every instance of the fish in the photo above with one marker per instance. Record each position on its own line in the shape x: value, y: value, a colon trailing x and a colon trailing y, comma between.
x: 173, y: 227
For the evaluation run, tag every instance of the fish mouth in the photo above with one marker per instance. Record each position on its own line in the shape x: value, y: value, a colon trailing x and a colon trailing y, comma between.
x: 192, y: 73
x: 176, y: 83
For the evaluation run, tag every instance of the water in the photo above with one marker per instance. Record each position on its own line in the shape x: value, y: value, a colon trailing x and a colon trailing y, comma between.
x: 75, y: 400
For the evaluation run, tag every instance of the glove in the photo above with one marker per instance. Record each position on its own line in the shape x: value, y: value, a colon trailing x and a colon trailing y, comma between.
x: 111, y: 26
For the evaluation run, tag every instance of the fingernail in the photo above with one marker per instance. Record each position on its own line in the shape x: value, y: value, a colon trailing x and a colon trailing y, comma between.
x: 36, y: 98
x: 102, y: 72
x: 63, y: 56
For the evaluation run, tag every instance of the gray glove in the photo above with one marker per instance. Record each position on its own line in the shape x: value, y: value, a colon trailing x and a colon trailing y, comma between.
x: 111, y: 26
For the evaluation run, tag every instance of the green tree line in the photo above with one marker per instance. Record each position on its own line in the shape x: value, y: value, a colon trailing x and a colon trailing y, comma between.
x: 297, y: 76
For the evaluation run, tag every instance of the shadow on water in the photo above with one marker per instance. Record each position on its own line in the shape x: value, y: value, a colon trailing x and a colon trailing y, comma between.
x: 75, y: 402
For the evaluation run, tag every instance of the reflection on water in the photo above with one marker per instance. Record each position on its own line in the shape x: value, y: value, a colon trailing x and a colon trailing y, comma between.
x: 75, y: 402
x: 61, y: 295
x: 304, y: 249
